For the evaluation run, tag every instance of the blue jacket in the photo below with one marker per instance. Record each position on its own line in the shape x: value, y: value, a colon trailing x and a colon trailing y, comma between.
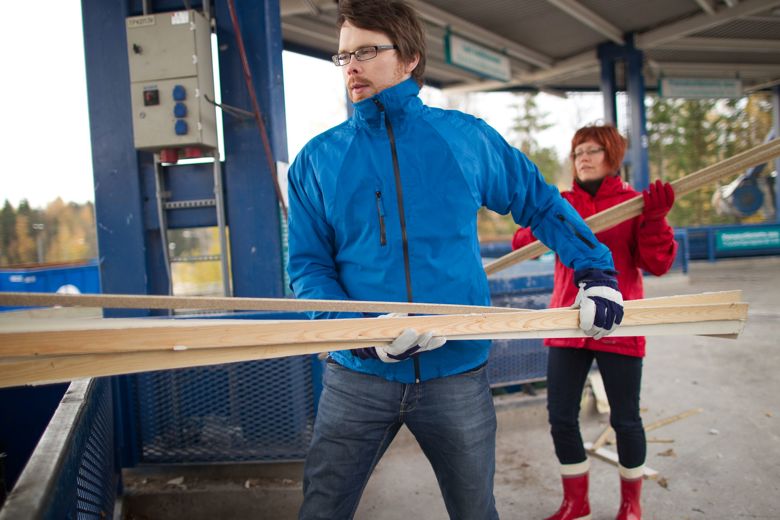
x: 349, y: 240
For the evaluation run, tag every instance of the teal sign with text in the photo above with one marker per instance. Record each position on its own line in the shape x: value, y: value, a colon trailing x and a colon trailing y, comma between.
x: 732, y: 240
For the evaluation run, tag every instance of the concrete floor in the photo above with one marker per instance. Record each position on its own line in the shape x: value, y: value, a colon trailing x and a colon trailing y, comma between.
x: 724, y: 463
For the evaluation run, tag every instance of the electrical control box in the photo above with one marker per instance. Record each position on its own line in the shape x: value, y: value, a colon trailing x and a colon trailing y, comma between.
x: 172, y: 81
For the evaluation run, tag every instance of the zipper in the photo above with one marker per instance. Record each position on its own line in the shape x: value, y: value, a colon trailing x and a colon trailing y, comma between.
x: 380, y: 210
x: 401, y: 216
x: 575, y: 231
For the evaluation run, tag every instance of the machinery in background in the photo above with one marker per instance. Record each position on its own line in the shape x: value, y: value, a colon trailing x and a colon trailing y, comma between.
x: 174, y: 113
x: 172, y: 81
x: 748, y: 193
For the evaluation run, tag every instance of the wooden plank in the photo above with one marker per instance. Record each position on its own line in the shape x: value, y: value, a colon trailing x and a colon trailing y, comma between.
x: 55, y: 369
x: 599, y: 392
x: 612, y: 457
x: 633, y: 207
x: 668, y: 420
x: 135, y: 301
x: 687, y: 299
x: 73, y: 337
x: 601, y: 440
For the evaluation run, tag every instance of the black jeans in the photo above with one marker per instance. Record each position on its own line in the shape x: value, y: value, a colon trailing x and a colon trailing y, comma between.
x: 567, y: 370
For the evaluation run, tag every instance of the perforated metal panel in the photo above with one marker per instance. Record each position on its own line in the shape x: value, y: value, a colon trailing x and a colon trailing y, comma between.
x: 518, y: 361
x: 71, y: 474
x: 260, y: 410
x: 96, y: 480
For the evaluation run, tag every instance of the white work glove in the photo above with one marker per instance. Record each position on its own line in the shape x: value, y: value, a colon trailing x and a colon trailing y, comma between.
x: 407, y: 344
x: 599, y: 301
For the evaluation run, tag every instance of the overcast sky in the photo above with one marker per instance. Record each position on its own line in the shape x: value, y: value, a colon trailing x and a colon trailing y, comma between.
x: 45, y: 121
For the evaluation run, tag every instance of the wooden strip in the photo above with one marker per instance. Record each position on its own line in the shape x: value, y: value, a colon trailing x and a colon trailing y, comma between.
x: 135, y: 301
x: 16, y: 371
x: 687, y: 299
x: 128, y: 335
x: 633, y: 207
x: 668, y: 420
x: 599, y: 392
x: 602, y: 439
x: 56, y: 369
x: 612, y: 457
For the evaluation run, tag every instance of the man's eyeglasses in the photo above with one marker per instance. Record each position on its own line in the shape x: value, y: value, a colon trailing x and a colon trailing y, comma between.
x: 589, y: 153
x: 361, y: 54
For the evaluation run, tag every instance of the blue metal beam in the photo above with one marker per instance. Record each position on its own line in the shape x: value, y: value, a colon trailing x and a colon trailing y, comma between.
x: 635, y: 85
x: 607, y: 55
x: 253, y: 215
x: 124, y: 256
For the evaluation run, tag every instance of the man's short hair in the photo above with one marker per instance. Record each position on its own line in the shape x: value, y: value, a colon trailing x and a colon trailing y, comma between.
x: 393, y: 18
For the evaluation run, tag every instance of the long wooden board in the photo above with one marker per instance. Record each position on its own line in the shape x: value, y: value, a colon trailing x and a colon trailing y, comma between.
x: 135, y: 301
x: 46, y: 369
x: 56, y: 369
x: 633, y: 207
x: 40, y: 351
x: 102, y: 336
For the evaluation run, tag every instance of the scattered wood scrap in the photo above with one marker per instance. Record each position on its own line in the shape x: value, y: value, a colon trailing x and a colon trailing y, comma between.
x: 599, y: 392
x: 597, y: 449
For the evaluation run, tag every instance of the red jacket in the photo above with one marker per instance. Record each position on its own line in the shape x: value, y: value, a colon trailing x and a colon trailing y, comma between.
x: 635, y: 245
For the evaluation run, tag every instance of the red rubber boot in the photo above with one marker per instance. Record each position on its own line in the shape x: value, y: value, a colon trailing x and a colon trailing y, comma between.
x: 575, y: 504
x: 630, y: 494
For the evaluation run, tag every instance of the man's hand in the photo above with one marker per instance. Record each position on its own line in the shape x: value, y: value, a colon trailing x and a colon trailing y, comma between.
x: 659, y: 198
x: 408, y: 343
x: 599, y: 301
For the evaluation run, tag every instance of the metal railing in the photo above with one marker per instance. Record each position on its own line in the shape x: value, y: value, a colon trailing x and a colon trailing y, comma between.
x: 71, y: 474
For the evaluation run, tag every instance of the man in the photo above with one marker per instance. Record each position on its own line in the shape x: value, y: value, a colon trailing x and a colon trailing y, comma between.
x: 384, y: 207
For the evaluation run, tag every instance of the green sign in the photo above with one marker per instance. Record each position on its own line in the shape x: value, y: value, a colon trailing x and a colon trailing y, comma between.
x: 476, y: 58
x: 764, y: 238
x: 700, y: 88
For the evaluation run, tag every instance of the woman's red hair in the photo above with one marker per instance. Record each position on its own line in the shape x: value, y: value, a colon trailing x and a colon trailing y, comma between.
x: 607, y: 137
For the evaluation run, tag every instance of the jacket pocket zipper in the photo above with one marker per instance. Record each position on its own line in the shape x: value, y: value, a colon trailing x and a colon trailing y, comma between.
x: 381, y: 212
x: 575, y: 231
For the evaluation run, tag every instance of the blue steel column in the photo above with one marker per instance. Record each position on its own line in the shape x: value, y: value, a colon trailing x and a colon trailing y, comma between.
x: 635, y: 85
x: 606, y: 54
x: 253, y: 215
x: 124, y: 254
x: 776, y: 128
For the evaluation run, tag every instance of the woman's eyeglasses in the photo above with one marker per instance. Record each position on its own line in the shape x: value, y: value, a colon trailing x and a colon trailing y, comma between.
x: 589, y: 153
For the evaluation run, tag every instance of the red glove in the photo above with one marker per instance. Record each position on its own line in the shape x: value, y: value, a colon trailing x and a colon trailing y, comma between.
x: 659, y: 198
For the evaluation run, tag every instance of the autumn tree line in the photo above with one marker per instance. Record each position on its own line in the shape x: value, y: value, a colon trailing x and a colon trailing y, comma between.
x: 684, y: 136
x: 60, y: 232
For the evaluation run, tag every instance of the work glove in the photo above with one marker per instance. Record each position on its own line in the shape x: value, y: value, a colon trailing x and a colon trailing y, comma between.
x: 408, y: 343
x: 599, y: 301
x: 659, y: 198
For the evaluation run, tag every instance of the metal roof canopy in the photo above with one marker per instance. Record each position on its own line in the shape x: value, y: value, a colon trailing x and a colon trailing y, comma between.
x: 552, y: 45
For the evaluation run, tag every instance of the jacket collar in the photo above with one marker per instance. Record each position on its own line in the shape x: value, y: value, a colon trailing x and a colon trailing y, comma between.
x: 398, y: 101
x: 611, y: 185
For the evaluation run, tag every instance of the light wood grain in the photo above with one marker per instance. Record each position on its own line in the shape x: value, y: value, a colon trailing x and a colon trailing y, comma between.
x: 135, y: 301
x: 35, y: 351
x: 130, y: 335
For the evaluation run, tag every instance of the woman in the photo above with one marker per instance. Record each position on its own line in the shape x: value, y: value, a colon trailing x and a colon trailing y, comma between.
x: 645, y: 243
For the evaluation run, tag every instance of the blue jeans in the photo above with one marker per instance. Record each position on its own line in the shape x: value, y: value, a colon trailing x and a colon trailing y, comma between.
x: 452, y: 418
x: 567, y: 369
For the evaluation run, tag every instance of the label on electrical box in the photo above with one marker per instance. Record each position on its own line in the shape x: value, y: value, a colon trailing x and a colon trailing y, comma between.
x: 180, y: 17
x: 140, y: 21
